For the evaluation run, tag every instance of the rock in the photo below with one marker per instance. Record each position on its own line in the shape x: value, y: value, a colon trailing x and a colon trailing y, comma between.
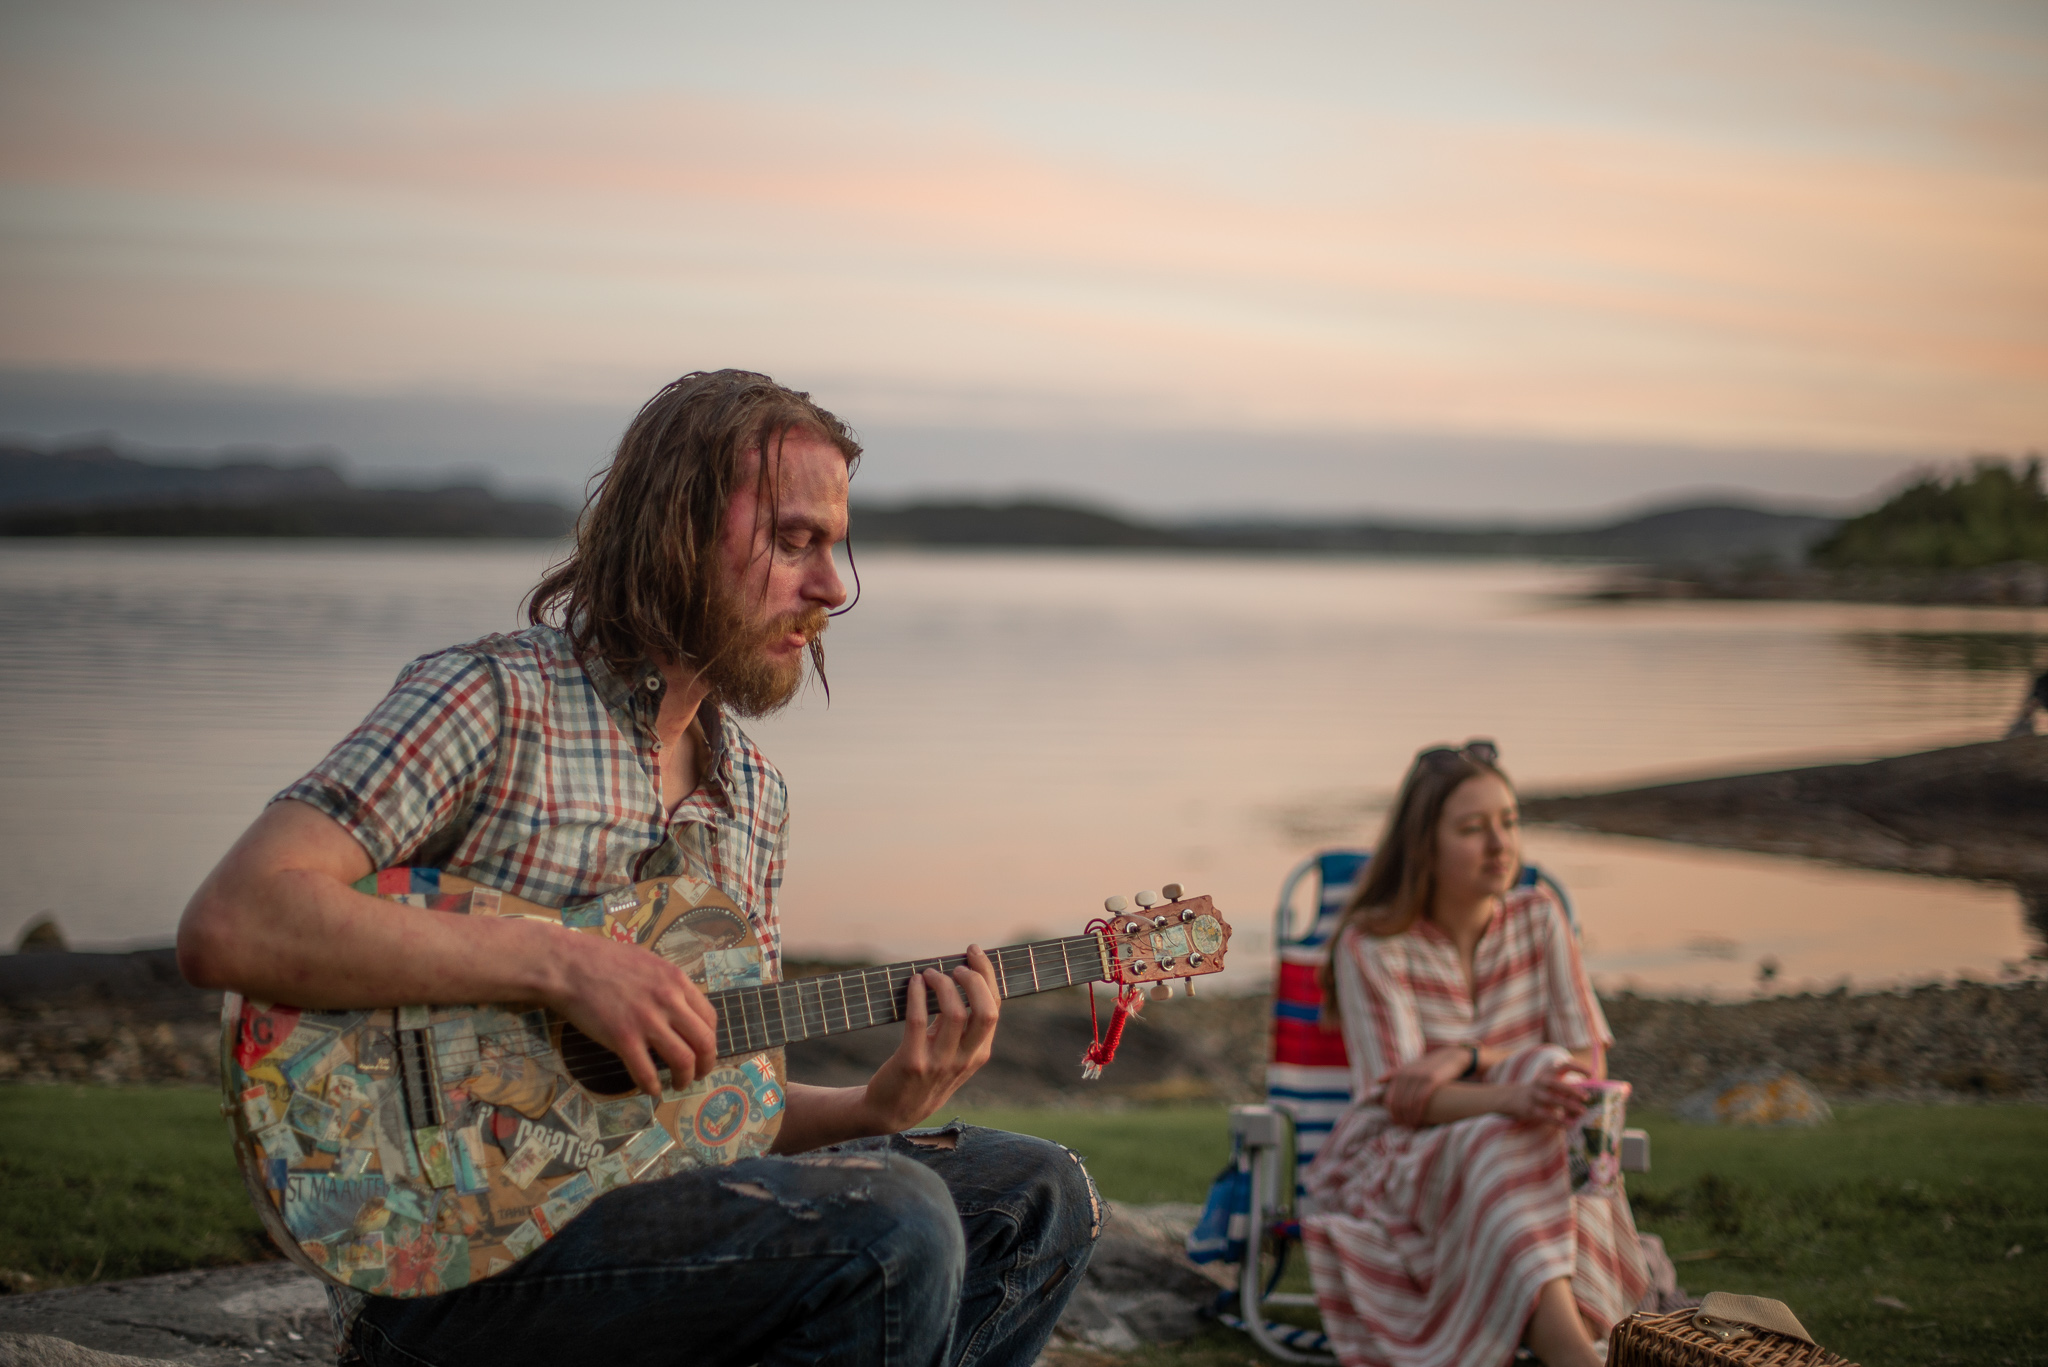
x: 1762, y: 1097
x: 40, y: 1350
x: 1139, y: 1288
x: 41, y: 936
x: 262, y: 1312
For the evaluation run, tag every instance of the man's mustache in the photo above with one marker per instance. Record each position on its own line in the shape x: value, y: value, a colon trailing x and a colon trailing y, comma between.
x: 811, y: 622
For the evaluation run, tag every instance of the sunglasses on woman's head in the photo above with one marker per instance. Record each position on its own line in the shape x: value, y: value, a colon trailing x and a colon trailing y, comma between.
x: 1478, y: 751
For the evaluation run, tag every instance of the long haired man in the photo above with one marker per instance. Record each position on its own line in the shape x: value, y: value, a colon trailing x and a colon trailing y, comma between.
x: 594, y: 749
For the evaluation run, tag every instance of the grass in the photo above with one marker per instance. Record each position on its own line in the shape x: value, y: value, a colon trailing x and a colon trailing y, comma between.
x: 102, y: 1183
x: 1917, y: 1205
x: 1920, y: 1205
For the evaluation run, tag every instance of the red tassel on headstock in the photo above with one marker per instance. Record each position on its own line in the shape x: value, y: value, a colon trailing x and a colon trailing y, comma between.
x: 1103, y: 1051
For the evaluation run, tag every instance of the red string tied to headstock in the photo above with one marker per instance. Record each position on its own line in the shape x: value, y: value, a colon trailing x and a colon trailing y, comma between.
x: 1103, y: 1050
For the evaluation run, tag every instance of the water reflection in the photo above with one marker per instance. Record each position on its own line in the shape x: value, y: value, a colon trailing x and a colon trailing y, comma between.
x: 2018, y: 653
x: 1011, y: 737
x: 2034, y: 909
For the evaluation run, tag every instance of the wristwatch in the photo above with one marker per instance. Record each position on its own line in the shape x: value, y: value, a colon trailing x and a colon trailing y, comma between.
x: 1472, y: 1068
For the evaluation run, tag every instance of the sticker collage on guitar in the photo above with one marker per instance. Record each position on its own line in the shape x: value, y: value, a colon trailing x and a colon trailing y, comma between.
x: 408, y: 1151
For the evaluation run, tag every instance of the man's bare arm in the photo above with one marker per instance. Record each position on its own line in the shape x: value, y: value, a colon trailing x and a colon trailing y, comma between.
x: 277, y: 919
x: 949, y: 1027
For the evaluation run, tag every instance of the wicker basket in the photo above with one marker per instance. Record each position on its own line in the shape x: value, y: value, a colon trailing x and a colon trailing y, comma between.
x: 1673, y: 1341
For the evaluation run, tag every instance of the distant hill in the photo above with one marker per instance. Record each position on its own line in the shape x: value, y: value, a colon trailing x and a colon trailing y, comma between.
x: 99, y: 476
x: 1710, y: 534
x: 1007, y: 524
x: 98, y: 491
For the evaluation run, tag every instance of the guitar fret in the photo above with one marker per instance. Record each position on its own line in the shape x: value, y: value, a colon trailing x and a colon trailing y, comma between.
x: 751, y: 1019
x: 803, y: 1015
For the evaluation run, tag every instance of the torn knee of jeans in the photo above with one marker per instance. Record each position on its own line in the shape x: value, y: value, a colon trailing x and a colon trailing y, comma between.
x: 799, y: 1210
x: 866, y: 1162
x: 941, y: 1139
x: 1094, y: 1198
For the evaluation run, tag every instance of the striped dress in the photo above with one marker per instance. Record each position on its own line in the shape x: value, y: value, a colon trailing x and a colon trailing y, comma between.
x: 1428, y: 1245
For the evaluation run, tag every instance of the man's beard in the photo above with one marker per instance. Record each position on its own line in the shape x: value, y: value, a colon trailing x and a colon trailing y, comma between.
x: 742, y: 674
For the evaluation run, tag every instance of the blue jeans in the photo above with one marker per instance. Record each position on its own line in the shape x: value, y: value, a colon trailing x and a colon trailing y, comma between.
x: 956, y: 1246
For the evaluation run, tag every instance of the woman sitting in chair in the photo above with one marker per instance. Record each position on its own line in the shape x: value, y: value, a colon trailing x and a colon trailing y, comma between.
x: 1446, y: 1228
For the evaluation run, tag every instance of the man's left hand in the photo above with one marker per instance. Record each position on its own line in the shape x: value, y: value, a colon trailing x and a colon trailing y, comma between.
x: 949, y: 1028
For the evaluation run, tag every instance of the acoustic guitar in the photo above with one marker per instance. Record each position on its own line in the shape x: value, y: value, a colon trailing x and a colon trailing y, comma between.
x: 407, y: 1151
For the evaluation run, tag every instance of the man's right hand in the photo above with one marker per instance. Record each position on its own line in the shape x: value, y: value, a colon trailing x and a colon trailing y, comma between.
x: 638, y: 1005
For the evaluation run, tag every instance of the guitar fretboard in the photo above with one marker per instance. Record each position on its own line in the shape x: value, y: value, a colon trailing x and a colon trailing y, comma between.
x: 751, y: 1019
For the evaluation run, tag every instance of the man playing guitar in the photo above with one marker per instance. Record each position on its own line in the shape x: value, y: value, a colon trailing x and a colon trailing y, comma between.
x: 594, y: 749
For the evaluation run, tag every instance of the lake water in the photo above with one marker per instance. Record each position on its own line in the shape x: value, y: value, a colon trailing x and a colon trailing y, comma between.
x: 1012, y: 736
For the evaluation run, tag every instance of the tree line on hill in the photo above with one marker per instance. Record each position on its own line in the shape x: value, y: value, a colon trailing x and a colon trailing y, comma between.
x: 1992, y: 514
x: 1995, y: 512
x: 98, y: 491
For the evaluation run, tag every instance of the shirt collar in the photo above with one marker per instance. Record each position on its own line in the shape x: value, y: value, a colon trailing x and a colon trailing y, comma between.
x: 634, y: 696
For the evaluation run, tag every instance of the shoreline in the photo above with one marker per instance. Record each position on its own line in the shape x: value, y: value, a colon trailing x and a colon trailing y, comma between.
x: 126, y: 1019
x: 1975, y: 811
x: 2016, y: 583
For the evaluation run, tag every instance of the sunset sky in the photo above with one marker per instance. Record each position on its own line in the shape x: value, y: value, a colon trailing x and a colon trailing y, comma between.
x: 1458, y: 258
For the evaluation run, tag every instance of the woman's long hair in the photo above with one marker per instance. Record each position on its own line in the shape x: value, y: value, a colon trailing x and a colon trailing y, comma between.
x: 1399, y: 885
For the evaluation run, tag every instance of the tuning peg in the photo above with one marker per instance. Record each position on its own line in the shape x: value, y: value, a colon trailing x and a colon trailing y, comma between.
x: 1148, y: 899
x: 1173, y: 891
x: 1161, y: 991
x: 1113, y: 905
x: 1187, y: 986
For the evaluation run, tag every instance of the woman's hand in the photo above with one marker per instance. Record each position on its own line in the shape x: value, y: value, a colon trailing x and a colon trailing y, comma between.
x: 1552, y: 1101
x: 1406, y: 1091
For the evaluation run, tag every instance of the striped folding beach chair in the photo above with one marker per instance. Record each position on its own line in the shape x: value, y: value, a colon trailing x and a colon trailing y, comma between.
x: 1253, y: 1215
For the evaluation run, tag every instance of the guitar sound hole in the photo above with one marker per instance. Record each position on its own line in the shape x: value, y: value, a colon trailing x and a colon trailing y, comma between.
x: 601, y: 1072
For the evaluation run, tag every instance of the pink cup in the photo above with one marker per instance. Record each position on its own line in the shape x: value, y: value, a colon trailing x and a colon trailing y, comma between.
x: 1593, y: 1144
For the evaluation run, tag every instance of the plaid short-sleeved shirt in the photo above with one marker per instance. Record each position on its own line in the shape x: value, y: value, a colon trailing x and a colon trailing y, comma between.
x: 512, y: 762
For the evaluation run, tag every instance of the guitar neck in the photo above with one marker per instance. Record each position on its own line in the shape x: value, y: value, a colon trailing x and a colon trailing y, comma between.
x: 751, y: 1019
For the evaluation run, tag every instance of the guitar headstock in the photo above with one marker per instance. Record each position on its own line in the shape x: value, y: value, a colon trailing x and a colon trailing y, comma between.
x: 1160, y: 937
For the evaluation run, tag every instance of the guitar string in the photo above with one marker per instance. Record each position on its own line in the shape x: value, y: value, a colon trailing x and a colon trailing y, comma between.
x: 1015, y: 979
x: 761, y: 1033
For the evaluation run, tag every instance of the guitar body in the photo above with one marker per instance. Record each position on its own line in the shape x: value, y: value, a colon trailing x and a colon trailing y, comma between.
x: 409, y: 1151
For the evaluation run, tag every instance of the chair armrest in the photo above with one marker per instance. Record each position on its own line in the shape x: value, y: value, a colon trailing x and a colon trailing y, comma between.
x: 1260, y: 1127
x: 1635, y: 1151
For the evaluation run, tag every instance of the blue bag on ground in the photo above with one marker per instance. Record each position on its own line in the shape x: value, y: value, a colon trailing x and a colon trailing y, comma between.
x: 1219, y: 1236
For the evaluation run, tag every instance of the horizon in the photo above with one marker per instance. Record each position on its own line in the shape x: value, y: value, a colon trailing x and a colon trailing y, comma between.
x: 1681, y: 499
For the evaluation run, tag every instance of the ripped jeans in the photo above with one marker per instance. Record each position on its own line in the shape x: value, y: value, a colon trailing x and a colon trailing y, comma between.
x: 956, y: 1246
